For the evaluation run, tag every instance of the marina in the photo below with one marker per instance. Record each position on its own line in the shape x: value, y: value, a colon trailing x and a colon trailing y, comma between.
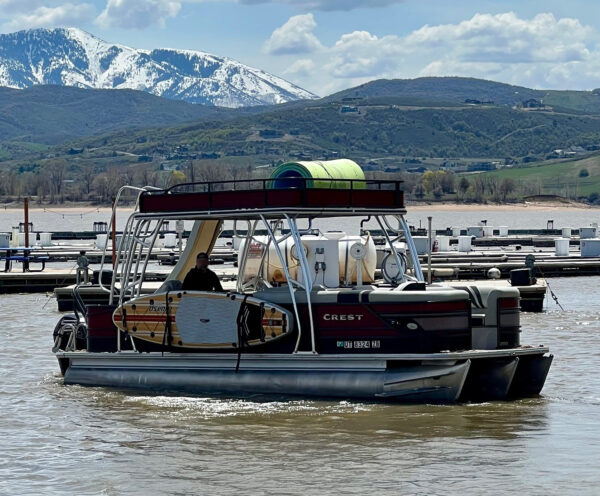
x: 553, y: 436
x: 293, y: 248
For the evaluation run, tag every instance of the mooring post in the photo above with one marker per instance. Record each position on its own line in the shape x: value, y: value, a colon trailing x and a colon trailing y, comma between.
x: 429, y: 238
x: 26, y: 209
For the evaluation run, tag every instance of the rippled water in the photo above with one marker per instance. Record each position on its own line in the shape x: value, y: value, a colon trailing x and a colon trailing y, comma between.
x: 72, y: 440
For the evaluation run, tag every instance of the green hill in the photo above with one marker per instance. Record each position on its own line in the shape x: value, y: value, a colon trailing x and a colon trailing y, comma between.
x: 53, y: 114
x: 459, y: 90
x: 384, y: 129
x: 567, y: 178
x: 385, y: 125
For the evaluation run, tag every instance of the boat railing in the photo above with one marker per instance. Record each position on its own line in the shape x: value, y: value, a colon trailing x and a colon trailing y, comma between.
x: 133, y: 249
x: 295, y: 195
x: 282, y: 183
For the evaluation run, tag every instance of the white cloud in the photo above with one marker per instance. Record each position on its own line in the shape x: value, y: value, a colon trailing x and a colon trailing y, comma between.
x: 361, y: 54
x: 507, y: 38
x: 295, y: 36
x: 328, y: 5
x: 301, y: 68
x: 541, y: 52
x: 61, y: 15
x: 137, y: 14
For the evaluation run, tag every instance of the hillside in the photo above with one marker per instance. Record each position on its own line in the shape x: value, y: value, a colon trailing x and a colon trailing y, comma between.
x: 459, y: 90
x: 373, y: 131
x: 571, y: 178
x: 53, y: 114
x: 108, y: 141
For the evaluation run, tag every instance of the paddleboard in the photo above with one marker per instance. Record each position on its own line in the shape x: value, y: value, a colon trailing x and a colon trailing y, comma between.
x: 202, y: 319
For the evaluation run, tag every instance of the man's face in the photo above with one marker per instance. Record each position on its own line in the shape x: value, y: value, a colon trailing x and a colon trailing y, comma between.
x: 202, y: 263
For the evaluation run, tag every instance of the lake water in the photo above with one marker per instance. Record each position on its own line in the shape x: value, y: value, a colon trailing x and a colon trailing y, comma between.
x: 58, y: 440
x: 70, y: 440
x: 514, y: 217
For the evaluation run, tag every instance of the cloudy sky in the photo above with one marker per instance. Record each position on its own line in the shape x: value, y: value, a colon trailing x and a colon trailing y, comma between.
x: 328, y: 45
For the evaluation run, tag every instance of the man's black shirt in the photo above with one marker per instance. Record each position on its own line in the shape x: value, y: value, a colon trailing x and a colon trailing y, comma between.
x: 202, y: 280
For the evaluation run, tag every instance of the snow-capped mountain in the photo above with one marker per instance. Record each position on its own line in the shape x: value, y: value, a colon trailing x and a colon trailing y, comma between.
x: 72, y: 57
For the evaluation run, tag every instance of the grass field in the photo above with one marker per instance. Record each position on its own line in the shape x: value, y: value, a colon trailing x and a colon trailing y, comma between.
x: 558, y: 178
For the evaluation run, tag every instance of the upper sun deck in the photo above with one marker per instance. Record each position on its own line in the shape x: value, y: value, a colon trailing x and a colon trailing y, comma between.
x: 250, y: 198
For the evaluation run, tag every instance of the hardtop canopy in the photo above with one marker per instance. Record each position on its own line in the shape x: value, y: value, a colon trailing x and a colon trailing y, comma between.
x: 250, y: 198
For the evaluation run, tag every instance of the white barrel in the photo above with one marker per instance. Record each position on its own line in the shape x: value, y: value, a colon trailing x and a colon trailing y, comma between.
x: 561, y: 247
x: 566, y: 232
x: 21, y: 238
x: 272, y: 268
x: 456, y: 232
x: 4, y: 240
x: 443, y: 243
x: 336, y: 253
x: 101, y: 241
x: 587, y: 232
x: 488, y: 231
x: 503, y: 231
x: 348, y: 264
x: 45, y: 239
x: 170, y: 240
x: 590, y: 247
x: 464, y: 243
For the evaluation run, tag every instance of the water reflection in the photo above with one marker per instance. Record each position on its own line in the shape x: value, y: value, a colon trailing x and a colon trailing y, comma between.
x: 309, y: 419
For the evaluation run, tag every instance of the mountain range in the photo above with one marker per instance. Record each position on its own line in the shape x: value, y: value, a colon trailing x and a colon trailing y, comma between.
x: 72, y: 57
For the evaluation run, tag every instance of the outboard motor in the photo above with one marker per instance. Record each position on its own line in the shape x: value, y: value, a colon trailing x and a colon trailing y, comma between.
x: 521, y: 277
x: 69, y: 334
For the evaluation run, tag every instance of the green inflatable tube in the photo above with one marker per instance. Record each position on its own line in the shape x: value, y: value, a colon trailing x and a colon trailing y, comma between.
x: 319, y: 174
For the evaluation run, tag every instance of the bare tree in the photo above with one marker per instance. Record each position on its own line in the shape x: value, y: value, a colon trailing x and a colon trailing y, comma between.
x: 88, y: 179
x: 56, y: 168
x: 463, y: 186
x: 507, y: 186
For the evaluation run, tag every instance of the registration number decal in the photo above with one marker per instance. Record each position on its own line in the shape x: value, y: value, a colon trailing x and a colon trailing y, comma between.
x: 359, y: 344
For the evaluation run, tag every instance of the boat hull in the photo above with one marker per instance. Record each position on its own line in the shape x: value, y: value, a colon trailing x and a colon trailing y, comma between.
x: 433, y: 378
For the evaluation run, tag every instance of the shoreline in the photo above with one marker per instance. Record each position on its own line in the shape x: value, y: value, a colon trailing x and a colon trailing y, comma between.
x: 420, y: 206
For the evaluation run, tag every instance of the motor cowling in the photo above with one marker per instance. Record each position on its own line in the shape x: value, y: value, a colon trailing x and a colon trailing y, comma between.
x: 69, y: 334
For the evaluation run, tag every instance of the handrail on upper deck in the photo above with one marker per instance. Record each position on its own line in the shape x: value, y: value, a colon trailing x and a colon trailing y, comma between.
x: 249, y: 195
x: 270, y: 184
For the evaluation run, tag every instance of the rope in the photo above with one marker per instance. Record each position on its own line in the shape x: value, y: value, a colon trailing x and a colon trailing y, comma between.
x: 241, y: 339
x: 50, y: 295
x: 554, y: 297
x: 167, y: 334
x: 77, y: 214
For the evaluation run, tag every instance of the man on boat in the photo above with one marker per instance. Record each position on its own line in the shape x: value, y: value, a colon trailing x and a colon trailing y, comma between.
x: 200, y: 277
